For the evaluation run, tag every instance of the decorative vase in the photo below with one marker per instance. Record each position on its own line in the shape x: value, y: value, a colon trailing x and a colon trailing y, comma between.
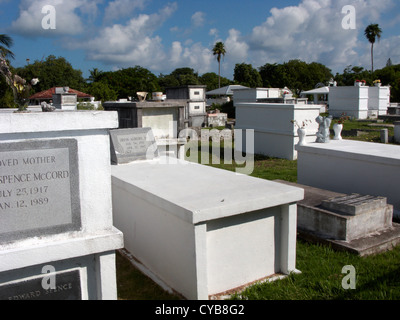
x: 378, y: 84
x: 337, y: 128
x: 302, y: 136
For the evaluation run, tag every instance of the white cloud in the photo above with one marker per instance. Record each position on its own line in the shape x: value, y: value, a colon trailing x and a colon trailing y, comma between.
x: 312, y: 31
x: 129, y: 44
x: 213, y: 32
x: 68, y: 21
x: 198, y: 19
x: 122, y: 8
x: 236, y: 47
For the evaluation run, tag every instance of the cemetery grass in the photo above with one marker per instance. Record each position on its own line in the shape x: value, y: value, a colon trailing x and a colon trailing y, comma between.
x: 364, y: 131
x: 377, y: 277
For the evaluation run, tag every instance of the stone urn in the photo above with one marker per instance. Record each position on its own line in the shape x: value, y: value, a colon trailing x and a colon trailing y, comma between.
x: 337, y: 128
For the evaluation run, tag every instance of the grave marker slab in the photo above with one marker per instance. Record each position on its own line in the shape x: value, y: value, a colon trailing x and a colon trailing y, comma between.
x: 67, y: 287
x: 355, y: 204
x: 356, y: 223
x: 39, y: 188
x: 129, y: 145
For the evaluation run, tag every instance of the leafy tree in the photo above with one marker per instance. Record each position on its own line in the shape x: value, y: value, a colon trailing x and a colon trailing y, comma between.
x: 351, y: 74
x: 390, y: 76
x: 101, y: 91
x: 126, y: 82
x: 219, y: 51
x: 179, y: 77
x: 94, y: 75
x: 53, y: 72
x: 373, y: 32
x: 247, y: 76
x: 213, y: 81
x: 296, y: 75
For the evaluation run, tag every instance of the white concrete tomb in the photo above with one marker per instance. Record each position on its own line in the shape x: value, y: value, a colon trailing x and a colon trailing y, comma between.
x: 274, y: 133
x: 203, y: 231
x: 348, y: 166
x: 55, y: 206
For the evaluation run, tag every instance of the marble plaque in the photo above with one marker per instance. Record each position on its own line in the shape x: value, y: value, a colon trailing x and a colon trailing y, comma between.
x: 129, y: 145
x: 39, y: 188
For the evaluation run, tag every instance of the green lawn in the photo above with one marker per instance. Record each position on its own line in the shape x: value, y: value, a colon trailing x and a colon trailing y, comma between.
x: 377, y: 277
x: 366, y: 132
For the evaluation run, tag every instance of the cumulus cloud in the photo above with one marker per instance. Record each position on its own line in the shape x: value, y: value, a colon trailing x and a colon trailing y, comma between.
x: 129, y: 44
x: 236, y: 46
x: 312, y: 31
x: 68, y: 17
x: 122, y: 8
x: 198, y: 19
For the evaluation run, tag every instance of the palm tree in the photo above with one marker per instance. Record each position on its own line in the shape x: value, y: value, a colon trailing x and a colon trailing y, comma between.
x: 219, y: 50
x: 372, y: 32
x: 7, y: 42
x: 95, y: 74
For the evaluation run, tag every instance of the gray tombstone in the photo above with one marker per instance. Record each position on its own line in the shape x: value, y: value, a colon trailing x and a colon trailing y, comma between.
x: 39, y: 192
x: 134, y: 144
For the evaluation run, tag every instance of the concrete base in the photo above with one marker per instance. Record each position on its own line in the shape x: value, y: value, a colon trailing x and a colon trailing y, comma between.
x: 365, y: 246
x: 337, y: 230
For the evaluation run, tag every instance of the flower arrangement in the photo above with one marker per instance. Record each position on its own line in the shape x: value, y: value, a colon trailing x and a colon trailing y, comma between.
x: 19, y: 86
x: 303, y: 124
x: 344, y: 117
x: 360, y: 83
x: 377, y: 81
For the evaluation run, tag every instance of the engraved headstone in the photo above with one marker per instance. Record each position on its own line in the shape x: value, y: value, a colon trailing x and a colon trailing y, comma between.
x: 67, y: 286
x: 39, y: 188
x: 129, y: 145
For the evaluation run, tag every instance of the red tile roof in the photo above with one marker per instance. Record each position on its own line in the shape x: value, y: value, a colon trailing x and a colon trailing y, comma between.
x: 48, y: 94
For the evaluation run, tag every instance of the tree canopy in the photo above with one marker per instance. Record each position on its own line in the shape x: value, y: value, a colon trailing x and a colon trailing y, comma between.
x: 297, y: 75
x: 53, y: 72
x: 247, y: 76
x: 126, y: 82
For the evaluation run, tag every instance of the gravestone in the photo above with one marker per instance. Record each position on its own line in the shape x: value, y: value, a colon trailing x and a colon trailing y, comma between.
x: 129, y: 145
x: 53, y: 226
x: 361, y: 224
x: 39, y: 179
x: 68, y: 288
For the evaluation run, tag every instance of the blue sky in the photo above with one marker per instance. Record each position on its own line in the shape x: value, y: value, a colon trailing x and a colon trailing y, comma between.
x: 164, y: 35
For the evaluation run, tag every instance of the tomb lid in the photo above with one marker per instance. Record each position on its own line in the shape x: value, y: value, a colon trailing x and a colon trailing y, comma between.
x: 197, y: 193
x: 354, y: 204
